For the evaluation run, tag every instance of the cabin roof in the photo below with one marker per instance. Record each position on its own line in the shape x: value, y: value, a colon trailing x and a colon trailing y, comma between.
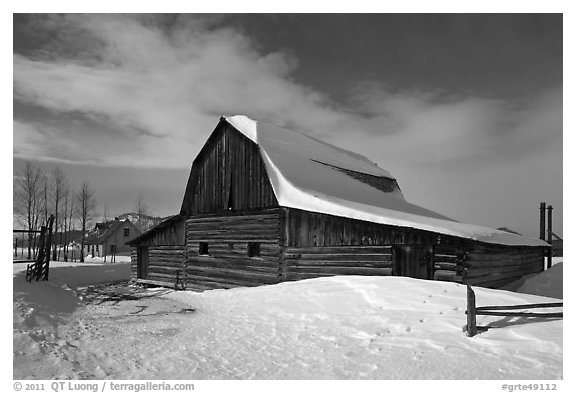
x: 312, y: 175
x: 152, y: 231
x: 103, y: 230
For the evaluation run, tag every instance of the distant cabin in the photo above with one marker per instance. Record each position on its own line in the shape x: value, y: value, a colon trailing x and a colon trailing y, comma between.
x: 110, y: 237
x: 265, y: 204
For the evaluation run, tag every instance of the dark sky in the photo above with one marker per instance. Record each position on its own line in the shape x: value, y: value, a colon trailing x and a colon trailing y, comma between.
x: 502, y: 55
x: 465, y: 110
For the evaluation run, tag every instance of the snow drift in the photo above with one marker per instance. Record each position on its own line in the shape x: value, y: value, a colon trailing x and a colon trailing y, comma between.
x: 345, y: 327
x: 547, y: 283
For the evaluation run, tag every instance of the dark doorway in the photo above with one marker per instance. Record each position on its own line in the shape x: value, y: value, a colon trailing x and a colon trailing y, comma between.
x: 413, y: 261
x: 142, y: 258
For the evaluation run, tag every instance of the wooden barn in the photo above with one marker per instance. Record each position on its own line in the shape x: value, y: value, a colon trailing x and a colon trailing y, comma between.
x: 265, y: 204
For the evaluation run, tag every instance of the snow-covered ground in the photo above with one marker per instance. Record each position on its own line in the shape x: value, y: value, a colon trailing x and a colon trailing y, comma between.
x: 547, y: 283
x: 79, y: 326
x: 22, y: 254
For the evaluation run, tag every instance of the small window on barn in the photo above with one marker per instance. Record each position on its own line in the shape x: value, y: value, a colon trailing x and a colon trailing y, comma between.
x: 230, y: 246
x: 203, y: 248
x: 126, y: 231
x: 253, y: 250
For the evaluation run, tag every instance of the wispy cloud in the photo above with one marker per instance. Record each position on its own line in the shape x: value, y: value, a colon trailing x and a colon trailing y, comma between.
x: 419, y: 128
x: 161, y: 84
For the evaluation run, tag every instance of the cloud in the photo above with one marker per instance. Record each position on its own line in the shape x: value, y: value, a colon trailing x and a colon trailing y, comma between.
x: 171, y: 86
x: 160, y: 83
x: 434, y: 129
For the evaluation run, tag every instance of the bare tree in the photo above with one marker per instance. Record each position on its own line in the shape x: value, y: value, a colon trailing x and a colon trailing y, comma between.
x: 45, y: 196
x: 29, y: 195
x: 86, y: 212
x: 141, y: 207
x: 64, y: 226
x: 59, y: 184
x: 71, y: 218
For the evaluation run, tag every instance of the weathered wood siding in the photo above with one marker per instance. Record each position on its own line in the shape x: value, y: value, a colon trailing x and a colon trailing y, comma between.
x: 166, y: 264
x: 133, y: 264
x: 318, y: 245
x: 227, y: 236
x: 307, y: 229
x: 171, y: 234
x: 301, y: 263
x: 448, y: 263
x: 228, y: 173
x: 494, y: 266
x: 164, y: 247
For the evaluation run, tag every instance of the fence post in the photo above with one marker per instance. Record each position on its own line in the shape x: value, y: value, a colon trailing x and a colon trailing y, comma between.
x: 48, y: 248
x: 471, y: 312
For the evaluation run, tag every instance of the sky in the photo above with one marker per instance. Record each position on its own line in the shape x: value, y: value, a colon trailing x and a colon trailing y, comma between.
x: 464, y: 110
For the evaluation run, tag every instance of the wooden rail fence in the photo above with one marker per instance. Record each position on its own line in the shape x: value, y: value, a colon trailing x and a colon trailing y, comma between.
x: 472, y: 311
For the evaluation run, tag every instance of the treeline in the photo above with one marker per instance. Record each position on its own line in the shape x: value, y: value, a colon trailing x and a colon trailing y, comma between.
x: 39, y: 193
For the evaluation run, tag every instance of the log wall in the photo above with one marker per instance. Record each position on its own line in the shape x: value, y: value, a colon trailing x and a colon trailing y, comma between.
x: 133, y: 264
x: 493, y: 266
x: 163, y: 248
x: 322, y: 245
x: 307, y: 229
x: 166, y: 264
x: 302, y: 263
x: 168, y: 233
x: 227, y: 236
x: 448, y: 263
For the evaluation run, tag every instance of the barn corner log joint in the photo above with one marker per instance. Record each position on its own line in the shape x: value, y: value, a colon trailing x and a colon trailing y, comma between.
x: 264, y: 204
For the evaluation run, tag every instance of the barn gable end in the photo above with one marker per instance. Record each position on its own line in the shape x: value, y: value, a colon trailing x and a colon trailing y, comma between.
x: 227, y: 175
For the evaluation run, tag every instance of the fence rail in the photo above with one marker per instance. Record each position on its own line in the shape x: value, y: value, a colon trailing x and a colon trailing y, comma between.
x: 472, y: 311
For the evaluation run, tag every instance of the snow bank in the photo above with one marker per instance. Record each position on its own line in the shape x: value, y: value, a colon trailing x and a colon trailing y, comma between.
x: 548, y: 283
x: 346, y: 327
x: 370, y: 327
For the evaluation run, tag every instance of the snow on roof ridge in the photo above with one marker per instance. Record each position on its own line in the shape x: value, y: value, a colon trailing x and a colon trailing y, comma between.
x: 244, y: 124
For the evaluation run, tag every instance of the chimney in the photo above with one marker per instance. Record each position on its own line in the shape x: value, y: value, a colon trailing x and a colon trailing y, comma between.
x: 543, y: 221
x: 549, y: 264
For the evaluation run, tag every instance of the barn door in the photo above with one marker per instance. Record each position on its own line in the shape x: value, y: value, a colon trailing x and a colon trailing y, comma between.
x: 413, y: 261
x: 142, y: 254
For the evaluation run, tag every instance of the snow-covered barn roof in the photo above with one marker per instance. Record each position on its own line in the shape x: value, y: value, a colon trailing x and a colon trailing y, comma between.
x: 312, y: 175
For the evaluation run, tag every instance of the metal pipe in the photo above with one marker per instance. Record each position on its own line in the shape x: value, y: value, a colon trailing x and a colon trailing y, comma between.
x: 542, y: 220
x: 549, y: 264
